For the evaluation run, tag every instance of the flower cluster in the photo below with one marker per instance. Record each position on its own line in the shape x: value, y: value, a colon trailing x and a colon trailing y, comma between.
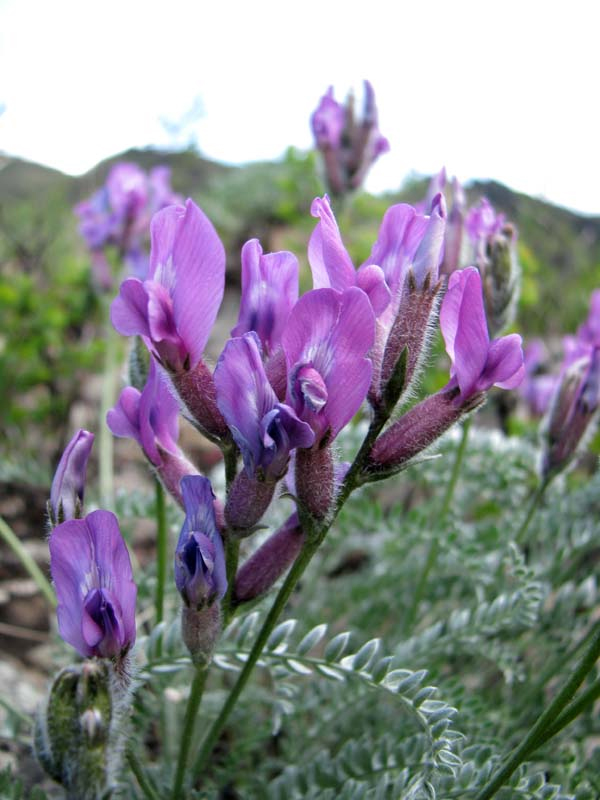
x: 349, y: 146
x: 295, y: 372
x: 118, y: 215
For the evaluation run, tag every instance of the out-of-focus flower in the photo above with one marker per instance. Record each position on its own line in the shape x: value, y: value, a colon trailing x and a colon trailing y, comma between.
x: 199, y: 557
x: 349, y: 146
x: 175, y: 308
x: 118, y: 215
x: 589, y: 331
x: 477, y: 363
x: 94, y: 585
x: 68, y: 486
x: 573, y: 408
x: 537, y: 387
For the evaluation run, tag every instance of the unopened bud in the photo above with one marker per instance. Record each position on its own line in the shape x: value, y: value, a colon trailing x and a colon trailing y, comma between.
x: 196, y: 389
x: 68, y: 485
x: 247, y: 501
x: 415, y: 431
x: 501, y: 277
x: 573, y: 409
x: 258, y: 574
x: 72, y: 738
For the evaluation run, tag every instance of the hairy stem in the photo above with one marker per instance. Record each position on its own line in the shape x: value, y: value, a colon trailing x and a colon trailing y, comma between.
x: 162, y: 546
x: 541, y: 731
x: 28, y: 562
x: 194, y: 700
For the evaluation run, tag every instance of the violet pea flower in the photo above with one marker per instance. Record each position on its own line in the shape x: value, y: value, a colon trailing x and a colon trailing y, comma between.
x: 265, y: 430
x: 477, y: 363
x: 331, y: 265
x: 96, y: 594
x: 482, y: 221
x: 325, y: 343
x: 200, y: 573
x: 150, y: 416
x: 68, y: 485
x: 269, y: 292
x: 174, y: 310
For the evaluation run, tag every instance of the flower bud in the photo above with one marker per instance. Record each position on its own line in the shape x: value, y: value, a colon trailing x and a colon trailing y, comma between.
x: 416, y: 430
x: 258, y: 574
x: 68, y: 486
x: 573, y: 408
x: 196, y: 390
x: 77, y: 736
x: 247, y: 501
x: 501, y: 275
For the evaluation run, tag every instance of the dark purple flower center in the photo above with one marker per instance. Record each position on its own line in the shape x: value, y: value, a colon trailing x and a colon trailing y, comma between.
x: 99, y: 606
x: 194, y: 579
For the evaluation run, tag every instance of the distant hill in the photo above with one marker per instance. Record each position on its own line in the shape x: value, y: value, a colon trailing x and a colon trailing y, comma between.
x: 559, y: 249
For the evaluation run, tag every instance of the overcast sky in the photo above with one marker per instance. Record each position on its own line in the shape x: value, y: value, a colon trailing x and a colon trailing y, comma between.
x: 490, y: 90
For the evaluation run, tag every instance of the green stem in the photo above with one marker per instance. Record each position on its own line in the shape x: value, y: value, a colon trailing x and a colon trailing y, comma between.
x: 460, y: 454
x: 193, y: 704
x: 105, y: 437
x: 232, y: 555
x: 533, y: 506
x: 141, y: 778
x: 571, y: 712
x: 28, y: 562
x: 162, y: 547
x: 546, y: 721
x: 279, y: 604
x: 556, y: 665
x: 434, y: 546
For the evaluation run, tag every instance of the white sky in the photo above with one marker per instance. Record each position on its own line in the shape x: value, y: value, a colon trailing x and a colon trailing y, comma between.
x: 505, y: 90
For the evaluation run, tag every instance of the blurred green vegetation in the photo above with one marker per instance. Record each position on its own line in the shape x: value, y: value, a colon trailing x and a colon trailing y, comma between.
x: 51, y: 340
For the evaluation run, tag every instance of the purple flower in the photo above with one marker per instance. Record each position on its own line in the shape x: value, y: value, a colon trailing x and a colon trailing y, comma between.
x: 328, y: 121
x: 94, y: 585
x: 269, y: 292
x: 537, y: 387
x: 332, y: 267
x: 119, y: 213
x: 454, y: 230
x: 409, y: 242
x: 68, y: 486
x: 199, y: 558
x: 326, y: 341
x: 477, y: 362
x: 482, y: 221
x: 149, y: 416
x: 176, y: 307
x: 264, y: 429
x: 349, y: 145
